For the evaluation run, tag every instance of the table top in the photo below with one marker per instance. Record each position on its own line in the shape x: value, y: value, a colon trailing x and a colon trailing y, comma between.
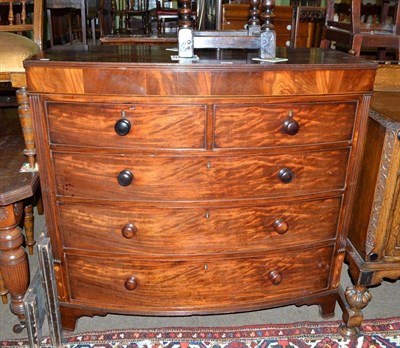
x: 159, y: 55
x: 14, y: 186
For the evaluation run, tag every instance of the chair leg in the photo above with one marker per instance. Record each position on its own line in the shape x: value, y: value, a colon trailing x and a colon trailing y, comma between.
x: 50, y: 25
x: 3, y: 290
x: 25, y: 116
x: 93, y: 28
x: 356, y: 45
x: 28, y: 227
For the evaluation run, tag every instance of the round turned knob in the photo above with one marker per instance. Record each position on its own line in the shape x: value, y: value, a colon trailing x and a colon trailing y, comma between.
x: 280, y: 226
x: 290, y: 126
x: 275, y: 277
x: 122, y: 126
x: 129, y: 231
x: 125, y: 177
x: 131, y: 284
x: 286, y: 175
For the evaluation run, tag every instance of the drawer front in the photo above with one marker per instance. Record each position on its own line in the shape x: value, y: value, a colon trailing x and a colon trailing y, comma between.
x: 199, y: 178
x: 264, y: 125
x: 122, y: 228
x: 197, y: 283
x: 151, y: 126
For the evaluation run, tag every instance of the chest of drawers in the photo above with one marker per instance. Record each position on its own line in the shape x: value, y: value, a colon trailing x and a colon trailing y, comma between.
x: 215, y: 186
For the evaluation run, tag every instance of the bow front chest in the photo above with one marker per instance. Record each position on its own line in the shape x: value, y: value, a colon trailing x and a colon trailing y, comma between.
x: 197, y: 187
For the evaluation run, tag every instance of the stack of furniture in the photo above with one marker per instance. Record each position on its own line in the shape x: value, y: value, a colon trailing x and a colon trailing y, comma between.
x: 357, y: 35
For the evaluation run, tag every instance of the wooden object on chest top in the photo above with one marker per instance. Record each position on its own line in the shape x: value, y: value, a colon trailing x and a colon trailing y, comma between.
x: 210, y: 186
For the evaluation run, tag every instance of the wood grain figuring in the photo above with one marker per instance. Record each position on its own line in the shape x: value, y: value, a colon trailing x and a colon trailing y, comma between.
x: 172, y: 178
x: 230, y: 191
x: 193, y: 230
x: 153, y: 126
x: 263, y: 124
x: 230, y: 83
x: 199, y: 284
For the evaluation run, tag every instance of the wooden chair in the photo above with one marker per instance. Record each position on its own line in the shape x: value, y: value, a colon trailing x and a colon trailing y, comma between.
x: 165, y: 14
x: 124, y: 12
x: 21, y: 38
x: 84, y: 10
x: 357, y: 34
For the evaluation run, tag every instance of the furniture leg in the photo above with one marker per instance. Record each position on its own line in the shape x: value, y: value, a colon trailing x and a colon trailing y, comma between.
x: 24, y: 112
x: 13, y: 260
x: 93, y: 28
x: 28, y: 226
x: 50, y: 26
x: 83, y: 22
x: 3, y: 290
x: 352, y: 301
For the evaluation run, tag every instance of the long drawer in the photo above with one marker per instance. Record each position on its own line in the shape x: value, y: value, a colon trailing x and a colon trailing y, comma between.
x: 169, y: 230
x: 135, y: 178
x: 141, y: 126
x: 171, y: 284
x: 264, y: 125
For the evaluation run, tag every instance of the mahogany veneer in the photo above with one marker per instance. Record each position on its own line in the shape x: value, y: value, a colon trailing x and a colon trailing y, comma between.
x: 177, y: 188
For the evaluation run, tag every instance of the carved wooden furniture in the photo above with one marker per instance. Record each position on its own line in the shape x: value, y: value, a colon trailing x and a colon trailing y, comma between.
x: 374, y: 234
x: 16, y: 191
x: 307, y: 25
x: 87, y: 11
x: 236, y: 17
x: 124, y: 13
x: 357, y: 35
x: 16, y: 48
x: 165, y: 14
x: 174, y: 188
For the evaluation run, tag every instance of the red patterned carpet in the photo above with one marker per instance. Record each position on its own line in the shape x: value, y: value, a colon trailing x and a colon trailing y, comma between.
x: 383, y: 333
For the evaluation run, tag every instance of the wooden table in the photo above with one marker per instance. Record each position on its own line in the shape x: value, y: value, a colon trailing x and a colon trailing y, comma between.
x: 15, y: 189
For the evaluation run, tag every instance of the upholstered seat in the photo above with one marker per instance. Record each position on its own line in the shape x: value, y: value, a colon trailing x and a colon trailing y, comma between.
x: 14, y: 49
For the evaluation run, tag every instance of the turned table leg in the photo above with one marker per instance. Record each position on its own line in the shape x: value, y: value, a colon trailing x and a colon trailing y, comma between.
x: 353, y: 300
x: 24, y: 112
x: 3, y: 290
x: 13, y: 259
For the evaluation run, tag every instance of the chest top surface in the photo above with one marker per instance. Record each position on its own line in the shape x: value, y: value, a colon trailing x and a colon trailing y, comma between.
x: 149, y: 70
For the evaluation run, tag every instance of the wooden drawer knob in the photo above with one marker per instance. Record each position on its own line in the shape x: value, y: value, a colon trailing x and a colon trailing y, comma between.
x: 131, y: 283
x: 291, y: 126
x: 125, y: 177
x: 129, y: 231
x: 286, y: 175
x: 275, y: 277
x: 280, y: 226
x: 122, y: 127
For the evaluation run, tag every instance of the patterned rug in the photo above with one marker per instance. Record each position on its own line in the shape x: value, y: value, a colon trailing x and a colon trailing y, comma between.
x: 383, y: 333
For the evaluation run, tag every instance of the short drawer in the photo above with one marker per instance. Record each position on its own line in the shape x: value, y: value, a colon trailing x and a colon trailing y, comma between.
x: 183, y: 178
x: 126, y: 228
x: 145, y: 125
x: 283, y: 124
x: 194, y: 283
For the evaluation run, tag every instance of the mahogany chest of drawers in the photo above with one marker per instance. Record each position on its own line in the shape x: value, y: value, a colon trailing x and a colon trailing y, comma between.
x: 178, y: 188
